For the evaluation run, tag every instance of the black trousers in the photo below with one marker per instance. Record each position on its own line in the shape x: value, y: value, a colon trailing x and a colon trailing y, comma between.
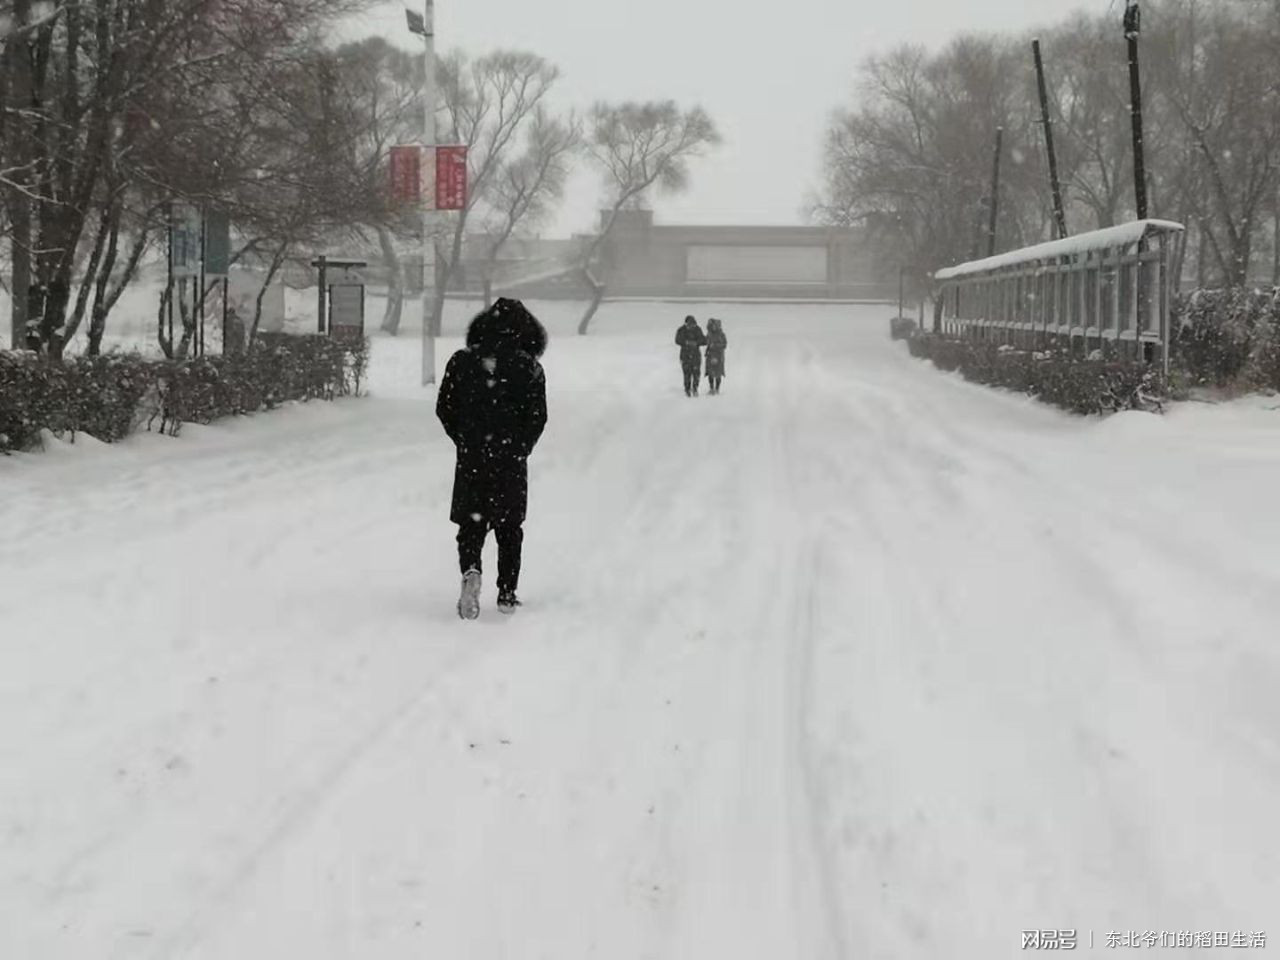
x: 510, y: 537
x: 691, y: 378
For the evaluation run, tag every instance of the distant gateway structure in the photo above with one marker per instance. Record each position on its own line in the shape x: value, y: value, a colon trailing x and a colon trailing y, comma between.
x: 642, y: 259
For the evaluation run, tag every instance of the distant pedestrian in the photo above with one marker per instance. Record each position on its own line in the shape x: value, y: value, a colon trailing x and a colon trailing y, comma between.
x: 493, y: 405
x: 690, y: 339
x: 717, y: 343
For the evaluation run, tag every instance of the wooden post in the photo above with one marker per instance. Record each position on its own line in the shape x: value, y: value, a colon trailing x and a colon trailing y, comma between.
x: 168, y: 307
x: 1059, y: 213
x: 199, y: 306
x: 1275, y: 244
x: 320, y: 295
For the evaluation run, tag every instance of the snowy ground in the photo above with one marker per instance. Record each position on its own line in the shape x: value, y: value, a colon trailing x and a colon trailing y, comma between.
x: 856, y: 660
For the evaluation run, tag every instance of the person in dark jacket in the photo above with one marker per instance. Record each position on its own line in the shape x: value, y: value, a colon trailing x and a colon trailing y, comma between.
x: 493, y: 405
x: 690, y: 339
x: 717, y: 343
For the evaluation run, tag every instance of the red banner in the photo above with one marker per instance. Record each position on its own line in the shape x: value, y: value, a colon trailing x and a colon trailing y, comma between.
x: 451, y: 178
x: 406, y: 181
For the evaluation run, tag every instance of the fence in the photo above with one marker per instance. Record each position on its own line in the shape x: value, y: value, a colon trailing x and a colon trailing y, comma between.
x: 1109, y: 290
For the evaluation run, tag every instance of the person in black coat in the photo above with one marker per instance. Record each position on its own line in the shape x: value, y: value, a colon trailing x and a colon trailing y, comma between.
x: 690, y: 339
x: 493, y: 405
x: 717, y: 343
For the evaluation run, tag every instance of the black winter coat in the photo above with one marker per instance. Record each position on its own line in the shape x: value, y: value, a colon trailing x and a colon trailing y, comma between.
x: 493, y: 405
x: 689, y: 338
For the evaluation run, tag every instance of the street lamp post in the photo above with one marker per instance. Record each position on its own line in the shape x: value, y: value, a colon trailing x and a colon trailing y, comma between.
x: 424, y: 26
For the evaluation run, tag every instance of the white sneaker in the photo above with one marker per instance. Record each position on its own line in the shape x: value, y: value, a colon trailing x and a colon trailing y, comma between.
x: 469, y: 599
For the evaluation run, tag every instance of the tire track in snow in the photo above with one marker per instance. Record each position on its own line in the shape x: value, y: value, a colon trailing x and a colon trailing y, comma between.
x: 806, y: 799
x: 299, y: 806
x: 804, y: 808
x: 920, y: 525
x: 690, y: 767
x: 258, y: 522
x: 987, y: 445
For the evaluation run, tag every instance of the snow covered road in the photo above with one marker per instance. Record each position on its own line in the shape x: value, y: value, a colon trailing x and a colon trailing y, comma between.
x: 855, y: 660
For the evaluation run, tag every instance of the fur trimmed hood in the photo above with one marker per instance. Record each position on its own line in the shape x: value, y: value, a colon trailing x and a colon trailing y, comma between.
x: 506, y: 325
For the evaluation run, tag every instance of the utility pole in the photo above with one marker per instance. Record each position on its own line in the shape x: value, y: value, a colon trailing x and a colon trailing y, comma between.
x: 1132, y: 18
x: 995, y: 194
x: 424, y: 26
x: 1059, y: 214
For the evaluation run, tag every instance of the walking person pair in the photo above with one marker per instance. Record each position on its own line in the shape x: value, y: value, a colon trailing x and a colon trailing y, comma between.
x: 690, y: 339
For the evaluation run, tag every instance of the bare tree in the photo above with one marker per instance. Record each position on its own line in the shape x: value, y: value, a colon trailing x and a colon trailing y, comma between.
x: 1223, y: 84
x: 383, y: 85
x: 639, y: 147
x: 526, y: 189
x: 489, y: 105
x: 113, y: 112
x: 907, y: 157
x: 1090, y: 95
x: 910, y: 161
x: 518, y: 152
x: 318, y: 161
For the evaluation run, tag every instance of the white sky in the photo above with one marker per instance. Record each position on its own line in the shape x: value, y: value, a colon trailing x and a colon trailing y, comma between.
x: 768, y: 75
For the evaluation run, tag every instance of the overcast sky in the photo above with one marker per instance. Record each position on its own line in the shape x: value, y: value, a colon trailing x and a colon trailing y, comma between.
x: 769, y: 74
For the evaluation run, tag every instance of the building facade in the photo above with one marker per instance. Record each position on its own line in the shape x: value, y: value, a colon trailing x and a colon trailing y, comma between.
x: 643, y: 259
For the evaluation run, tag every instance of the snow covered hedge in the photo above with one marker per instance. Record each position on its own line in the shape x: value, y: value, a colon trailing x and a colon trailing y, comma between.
x: 1223, y: 338
x: 1080, y: 386
x: 1229, y: 338
x: 108, y: 397
x: 901, y: 327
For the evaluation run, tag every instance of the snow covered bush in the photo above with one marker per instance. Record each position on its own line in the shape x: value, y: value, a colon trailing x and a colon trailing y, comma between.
x: 1263, y: 370
x: 105, y: 393
x: 93, y: 395
x: 25, y: 404
x: 110, y: 396
x: 1080, y: 386
x: 1215, y: 331
x: 278, y: 368
x: 1228, y: 338
x: 901, y: 327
